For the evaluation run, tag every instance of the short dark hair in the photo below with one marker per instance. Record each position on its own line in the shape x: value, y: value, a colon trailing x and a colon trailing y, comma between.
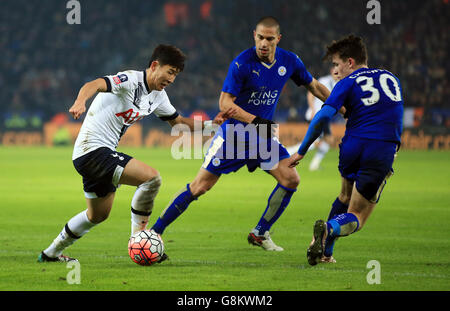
x: 168, y: 55
x: 269, y: 21
x: 350, y: 46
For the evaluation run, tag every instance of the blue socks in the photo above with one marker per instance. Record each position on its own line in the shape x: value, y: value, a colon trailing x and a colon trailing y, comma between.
x: 342, y: 225
x: 178, y: 205
x: 277, y: 203
x: 336, y: 208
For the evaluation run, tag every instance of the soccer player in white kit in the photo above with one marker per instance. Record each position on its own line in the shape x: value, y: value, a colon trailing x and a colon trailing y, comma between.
x: 123, y: 99
x: 314, y: 105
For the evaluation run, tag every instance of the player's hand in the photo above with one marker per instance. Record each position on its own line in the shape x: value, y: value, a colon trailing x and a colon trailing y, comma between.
x: 294, y: 159
x: 77, y: 109
x: 222, y: 116
x: 266, y: 128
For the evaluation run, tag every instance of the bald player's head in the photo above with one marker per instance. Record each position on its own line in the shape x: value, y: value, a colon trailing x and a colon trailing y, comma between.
x: 269, y: 21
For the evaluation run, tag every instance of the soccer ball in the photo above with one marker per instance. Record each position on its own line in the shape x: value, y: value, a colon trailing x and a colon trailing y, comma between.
x: 145, y: 247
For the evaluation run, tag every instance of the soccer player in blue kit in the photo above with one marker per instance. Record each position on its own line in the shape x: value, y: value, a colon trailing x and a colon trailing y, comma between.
x: 374, y: 108
x: 251, y: 90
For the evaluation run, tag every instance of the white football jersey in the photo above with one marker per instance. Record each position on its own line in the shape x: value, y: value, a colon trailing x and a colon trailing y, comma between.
x: 329, y: 82
x: 127, y: 100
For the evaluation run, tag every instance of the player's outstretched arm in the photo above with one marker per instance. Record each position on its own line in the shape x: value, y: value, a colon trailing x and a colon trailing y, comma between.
x: 266, y: 128
x: 318, y: 90
x: 88, y: 90
x: 221, y: 117
x: 316, y: 127
x: 310, y: 101
x: 226, y: 103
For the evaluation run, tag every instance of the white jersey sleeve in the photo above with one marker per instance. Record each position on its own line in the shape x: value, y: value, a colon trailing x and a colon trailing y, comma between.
x: 122, y: 83
x: 165, y: 111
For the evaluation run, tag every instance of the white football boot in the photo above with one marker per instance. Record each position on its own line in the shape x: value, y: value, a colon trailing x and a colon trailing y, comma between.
x: 263, y: 241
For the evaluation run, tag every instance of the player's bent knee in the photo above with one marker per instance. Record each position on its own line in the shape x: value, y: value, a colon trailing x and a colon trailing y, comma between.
x: 154, y: 182
x: 199, y: 188
x: 291, y: 181
x: 97, y: 217
x: 150, y: 173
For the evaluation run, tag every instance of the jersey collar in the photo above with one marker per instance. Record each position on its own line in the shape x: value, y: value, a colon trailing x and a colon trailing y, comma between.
x: 268, y: 66
x: 145, y: 81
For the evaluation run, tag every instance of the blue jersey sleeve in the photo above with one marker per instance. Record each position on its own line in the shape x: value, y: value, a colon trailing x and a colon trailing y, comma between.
x: 300, y: 76
x: 318, y: 123
x: 339, y: 94
x: 234, y: 80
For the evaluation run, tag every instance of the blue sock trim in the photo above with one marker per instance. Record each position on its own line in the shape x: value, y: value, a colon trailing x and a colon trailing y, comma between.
x: 335, y: 226
x: 357, y: 223
x: 285, y: 188
x: 190, y: 192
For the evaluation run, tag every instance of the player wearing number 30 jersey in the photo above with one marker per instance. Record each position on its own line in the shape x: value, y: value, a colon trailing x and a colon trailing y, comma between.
x: 374, y: 108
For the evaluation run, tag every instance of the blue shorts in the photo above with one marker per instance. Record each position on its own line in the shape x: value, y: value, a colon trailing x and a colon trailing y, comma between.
x: 366, y: 162
x: 101, y: 170
x: 229, y: 151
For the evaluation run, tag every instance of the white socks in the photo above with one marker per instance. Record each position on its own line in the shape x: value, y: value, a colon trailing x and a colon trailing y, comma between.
x: 322, y: 149
x: 142, y: 203
x: 77, y: 226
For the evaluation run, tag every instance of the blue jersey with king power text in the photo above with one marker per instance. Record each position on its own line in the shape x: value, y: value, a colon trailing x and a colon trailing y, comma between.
x: 373, y: 102
x: 257, y: 85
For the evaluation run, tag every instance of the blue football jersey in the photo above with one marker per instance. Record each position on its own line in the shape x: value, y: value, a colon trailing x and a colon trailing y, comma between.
x: 257, y: 85
x: 373, y: 102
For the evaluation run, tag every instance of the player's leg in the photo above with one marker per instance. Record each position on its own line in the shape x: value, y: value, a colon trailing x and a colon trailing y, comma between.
x: 322, y: 149
x: 344, y: 224
x: 361, y: 208
x: 148, y: 181
x: 340, y: 225
x: 288, y: 180
x: 375, y: 168
x: 323, y: 146
x: 203, y: 182
x: 97, y: 211
x: 339, y: 206
x: 213, y: 166
x: 101, y: 170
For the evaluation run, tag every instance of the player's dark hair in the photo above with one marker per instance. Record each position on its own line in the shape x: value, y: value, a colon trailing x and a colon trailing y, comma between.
x: 168, y: 55
x: 350, y: 46
x: 269, y: 21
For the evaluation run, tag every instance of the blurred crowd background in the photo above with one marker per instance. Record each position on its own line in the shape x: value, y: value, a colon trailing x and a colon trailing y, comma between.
x: 45, y: 60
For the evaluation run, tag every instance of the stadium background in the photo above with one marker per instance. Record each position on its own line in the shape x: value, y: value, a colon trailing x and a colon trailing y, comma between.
x: 45, y: 60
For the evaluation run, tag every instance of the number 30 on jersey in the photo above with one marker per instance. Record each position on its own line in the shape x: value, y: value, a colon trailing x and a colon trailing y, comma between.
x: 366, y: 84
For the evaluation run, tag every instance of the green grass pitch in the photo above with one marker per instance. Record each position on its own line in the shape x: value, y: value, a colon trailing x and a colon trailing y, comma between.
x: 408, y: 233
